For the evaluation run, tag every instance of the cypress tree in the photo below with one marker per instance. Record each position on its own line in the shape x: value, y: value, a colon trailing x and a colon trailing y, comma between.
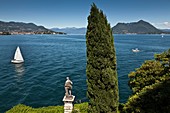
x: 101, y: 71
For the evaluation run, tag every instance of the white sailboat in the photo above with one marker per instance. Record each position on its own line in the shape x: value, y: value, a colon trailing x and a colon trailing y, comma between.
x: 17, y: 57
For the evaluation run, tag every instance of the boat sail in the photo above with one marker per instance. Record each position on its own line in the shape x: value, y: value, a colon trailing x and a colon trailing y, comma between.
x: 18, y: 56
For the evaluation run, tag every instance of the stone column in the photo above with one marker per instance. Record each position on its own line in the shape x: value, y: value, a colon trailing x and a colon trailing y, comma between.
x: 68, y: 103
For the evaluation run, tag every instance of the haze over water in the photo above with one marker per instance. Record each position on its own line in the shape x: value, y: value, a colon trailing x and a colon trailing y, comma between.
x: 49, y: 59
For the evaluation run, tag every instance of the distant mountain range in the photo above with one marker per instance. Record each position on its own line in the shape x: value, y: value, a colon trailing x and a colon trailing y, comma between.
x: 165, y: 30
x: 24, y: 28
x: 71, y: 30
x: 140, y: 27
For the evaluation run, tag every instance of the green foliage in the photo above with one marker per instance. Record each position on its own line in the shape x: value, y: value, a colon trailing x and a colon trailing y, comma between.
x: 164, y: 58
x: 20, y: 108
x: 151, y: 99
x: 101, y: 64
x: 151, y: 87
x: 81, y: 108
x: 149, y: 73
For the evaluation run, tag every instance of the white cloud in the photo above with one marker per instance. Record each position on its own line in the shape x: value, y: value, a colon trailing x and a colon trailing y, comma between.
x: 162, y: 25
x: 167, y: 24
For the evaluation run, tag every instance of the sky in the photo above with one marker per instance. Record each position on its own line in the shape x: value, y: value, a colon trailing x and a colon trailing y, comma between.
x: 74, y: 13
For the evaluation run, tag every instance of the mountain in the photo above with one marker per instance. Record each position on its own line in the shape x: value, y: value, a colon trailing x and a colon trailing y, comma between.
x: 140, y: 27
x: 71, y: 30
x: 23, y: 28
x: 165, y: 30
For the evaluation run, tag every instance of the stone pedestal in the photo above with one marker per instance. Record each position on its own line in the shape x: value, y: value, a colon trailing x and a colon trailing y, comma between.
x: 68, y: 103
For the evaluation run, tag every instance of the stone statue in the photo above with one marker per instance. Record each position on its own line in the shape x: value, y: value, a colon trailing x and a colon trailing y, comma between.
x: 68, y: 86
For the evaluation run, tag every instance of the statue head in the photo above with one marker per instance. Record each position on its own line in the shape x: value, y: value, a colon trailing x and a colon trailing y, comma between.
x: 67, y: 78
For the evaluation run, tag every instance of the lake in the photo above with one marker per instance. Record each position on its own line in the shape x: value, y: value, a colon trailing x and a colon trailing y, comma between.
x: 49, y: 59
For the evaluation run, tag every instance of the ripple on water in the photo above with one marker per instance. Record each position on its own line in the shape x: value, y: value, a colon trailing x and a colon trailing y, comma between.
x: 49, y: 59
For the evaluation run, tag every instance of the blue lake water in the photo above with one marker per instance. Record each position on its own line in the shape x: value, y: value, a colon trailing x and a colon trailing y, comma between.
x: 49, y: 59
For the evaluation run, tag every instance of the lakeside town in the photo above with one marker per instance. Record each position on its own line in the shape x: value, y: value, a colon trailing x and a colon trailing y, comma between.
x: 17, y: 28
x: 30, y: 33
